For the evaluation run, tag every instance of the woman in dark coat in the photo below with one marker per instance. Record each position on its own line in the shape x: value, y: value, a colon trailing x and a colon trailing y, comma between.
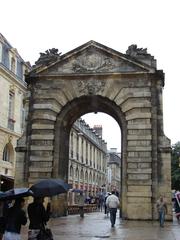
x: 38, y: 217
x: 14, y: 219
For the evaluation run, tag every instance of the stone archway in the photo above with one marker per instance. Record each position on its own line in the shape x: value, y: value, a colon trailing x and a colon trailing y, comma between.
x: 95, y: 78
x: 68, y: 115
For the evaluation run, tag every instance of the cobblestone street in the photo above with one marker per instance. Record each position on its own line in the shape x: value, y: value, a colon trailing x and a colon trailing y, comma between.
x: 97, y: 226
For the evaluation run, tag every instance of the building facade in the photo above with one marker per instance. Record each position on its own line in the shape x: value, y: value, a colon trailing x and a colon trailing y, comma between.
x: 113, y: 171
x: 87, y: 159
x: 12, y: 90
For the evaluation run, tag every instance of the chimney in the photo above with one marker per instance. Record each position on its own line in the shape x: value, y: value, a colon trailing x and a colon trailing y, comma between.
x: 98, y: 129
x: 113, y: 150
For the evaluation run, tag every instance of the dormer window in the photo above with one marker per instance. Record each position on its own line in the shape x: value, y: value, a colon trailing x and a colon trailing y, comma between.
x: 13, y: 64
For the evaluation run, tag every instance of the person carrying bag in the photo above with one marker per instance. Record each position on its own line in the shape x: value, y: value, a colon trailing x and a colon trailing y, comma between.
x: 45, y: 234
x: 38, y: 217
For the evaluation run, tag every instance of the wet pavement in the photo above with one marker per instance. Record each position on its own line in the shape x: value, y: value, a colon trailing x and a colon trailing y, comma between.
x: 96, y: 226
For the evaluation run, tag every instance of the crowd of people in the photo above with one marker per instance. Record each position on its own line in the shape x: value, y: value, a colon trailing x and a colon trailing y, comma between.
x: 12, y: 217
x: 108, y: 202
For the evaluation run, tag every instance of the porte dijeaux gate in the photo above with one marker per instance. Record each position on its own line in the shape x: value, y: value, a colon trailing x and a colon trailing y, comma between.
x: 95, y: 78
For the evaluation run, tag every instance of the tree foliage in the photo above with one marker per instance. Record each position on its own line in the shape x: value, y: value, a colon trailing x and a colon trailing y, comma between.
x: 175, y: 166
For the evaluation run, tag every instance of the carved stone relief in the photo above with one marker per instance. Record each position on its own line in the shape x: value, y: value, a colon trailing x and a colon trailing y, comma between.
x: 91, y: 87
x: 92, y: 63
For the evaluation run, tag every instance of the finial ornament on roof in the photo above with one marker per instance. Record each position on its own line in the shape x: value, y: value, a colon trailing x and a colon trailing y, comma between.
x: 133, y: 50
x: 141, y: 55
x: 50, y: 55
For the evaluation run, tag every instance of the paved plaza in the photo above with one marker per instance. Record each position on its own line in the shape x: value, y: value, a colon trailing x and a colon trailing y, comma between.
x: 95, y: 226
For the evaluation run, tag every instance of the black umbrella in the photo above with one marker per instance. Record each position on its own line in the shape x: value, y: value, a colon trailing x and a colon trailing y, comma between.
x: 2, y: 194
x: 49, y: 187
x: 15, y: 193
x: 76, y: 190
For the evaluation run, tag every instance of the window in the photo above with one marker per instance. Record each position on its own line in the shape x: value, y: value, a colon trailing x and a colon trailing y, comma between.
x: 86, y: 177
x: 8, y: 153
x: 13, y: 65
x: 11, y: 120
x: 71, y: 146
x: 22, y: 119
x: 71, y: 171
x: 82, y: 175
x: 90, y: 178
x: 77, y: 148
x: 82, y: 150
x: 77, y: 174
x: 22, y: 114
x: 86, y: 153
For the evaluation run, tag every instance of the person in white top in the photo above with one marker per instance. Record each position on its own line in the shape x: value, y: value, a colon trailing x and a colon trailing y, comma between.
x: 81, y: 200
x: 162, y: 210
x: 112, y: 202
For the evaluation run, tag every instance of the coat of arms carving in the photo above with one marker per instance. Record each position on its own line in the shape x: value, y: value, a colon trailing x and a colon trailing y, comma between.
x: 92, y: 62
x: 91, y: 87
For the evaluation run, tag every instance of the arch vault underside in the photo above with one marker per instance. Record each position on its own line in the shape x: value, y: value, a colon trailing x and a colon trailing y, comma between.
x: 96, y: 78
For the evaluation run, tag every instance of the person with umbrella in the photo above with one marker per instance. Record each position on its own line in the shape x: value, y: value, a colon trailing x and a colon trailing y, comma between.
x: 37, y: 213
x: 7, y: 209
x: 15, y: 218
x: 38, y: 217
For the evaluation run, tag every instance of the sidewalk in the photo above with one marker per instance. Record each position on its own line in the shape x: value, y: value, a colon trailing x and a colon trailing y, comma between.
x: 96, y: 226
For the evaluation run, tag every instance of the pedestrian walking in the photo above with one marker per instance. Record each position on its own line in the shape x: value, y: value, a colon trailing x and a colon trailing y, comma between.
x: 81, y: 200
x: 101, y: 202
x: 177, y: 205
x: 106, y: 210
x: 14, y: 219
x: 162, y: 210
x: 112, y: 202
x: 38, y: 217
x: 4, y: 206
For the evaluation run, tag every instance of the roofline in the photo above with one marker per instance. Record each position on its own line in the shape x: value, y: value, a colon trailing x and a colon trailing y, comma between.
x: 95, y: 44
x: 7, y: 42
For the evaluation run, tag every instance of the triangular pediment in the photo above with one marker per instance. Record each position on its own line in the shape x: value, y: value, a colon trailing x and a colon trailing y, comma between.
x: 91, y: 58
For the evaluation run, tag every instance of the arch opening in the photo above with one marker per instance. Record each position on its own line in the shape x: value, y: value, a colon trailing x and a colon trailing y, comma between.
x: 65, y: 120
x: 94, y: 148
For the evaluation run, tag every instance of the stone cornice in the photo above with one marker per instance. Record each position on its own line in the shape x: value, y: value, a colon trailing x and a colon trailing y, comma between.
x: 157, y: 75
x: 89, y: 46
x: 8, y: 131
x: 75, y: 75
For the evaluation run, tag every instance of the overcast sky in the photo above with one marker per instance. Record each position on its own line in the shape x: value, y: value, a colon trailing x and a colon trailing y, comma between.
x: 37, y: 25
